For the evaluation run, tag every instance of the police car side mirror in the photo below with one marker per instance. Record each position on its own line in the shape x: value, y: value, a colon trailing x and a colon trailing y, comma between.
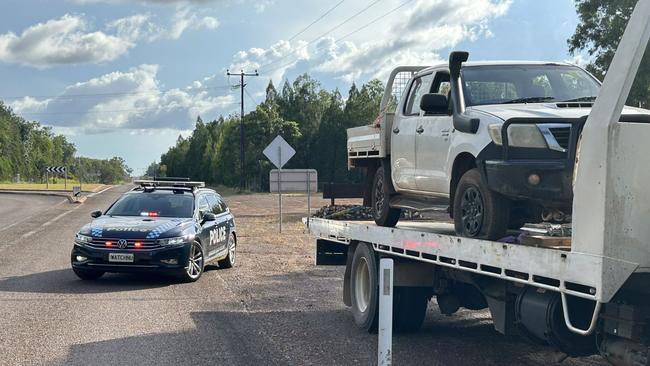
x: 95, y: 214
x: 208, y: 216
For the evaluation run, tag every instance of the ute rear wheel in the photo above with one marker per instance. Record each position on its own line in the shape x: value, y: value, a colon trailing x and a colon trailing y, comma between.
x: 383, y: 214
x: 479, y: 212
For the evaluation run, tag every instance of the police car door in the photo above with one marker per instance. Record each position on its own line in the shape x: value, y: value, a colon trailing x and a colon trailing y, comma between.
x: 207, y: 233
x: 222, y: 223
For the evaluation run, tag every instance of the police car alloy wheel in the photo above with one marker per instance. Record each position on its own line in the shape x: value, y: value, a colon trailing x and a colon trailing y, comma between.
x: 194, y: 267
x: 229, y: 261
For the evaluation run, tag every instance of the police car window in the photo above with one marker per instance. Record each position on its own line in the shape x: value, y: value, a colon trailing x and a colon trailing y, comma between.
x: 165, y: 204
x: 204, y: 205
x: 215, y: 205
x: 224, y: 207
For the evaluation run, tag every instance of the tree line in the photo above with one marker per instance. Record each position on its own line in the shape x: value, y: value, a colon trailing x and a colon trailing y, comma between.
x: 313, y: 120
x: 27, y: 148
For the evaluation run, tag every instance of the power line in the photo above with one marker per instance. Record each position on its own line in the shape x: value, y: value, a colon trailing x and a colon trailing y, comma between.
x: 351, y: 33
x: 322, y: 35
x: 316, y: 21
x: 111, y: 111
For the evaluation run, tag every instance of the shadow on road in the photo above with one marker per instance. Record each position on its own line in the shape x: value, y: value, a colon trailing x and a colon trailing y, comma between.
x: 306, y: 338
x: 64, y: 281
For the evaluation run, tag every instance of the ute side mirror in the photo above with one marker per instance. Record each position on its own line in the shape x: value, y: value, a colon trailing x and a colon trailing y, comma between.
x: 95, y: 214
x: 208, y: 216
x: 434, y: 104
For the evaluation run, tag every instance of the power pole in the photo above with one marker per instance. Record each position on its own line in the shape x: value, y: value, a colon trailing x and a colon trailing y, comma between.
x: 242, y: 136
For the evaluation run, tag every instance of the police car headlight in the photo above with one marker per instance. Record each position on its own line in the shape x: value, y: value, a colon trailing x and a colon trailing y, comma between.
x: 520, y: 135
x: 176, y: 241
x: 83, y: 239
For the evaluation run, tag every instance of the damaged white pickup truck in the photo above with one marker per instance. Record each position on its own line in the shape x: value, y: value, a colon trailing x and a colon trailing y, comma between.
x: 495, y: 141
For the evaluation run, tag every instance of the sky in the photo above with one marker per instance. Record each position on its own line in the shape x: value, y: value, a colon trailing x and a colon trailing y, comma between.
x: 127, y: 77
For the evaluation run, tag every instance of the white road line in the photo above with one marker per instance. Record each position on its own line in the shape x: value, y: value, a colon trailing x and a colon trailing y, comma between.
x: 27, y: 235
x: 100, y: 192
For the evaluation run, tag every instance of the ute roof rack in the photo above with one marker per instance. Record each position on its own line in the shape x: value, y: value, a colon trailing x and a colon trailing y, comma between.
x: 170, y: 182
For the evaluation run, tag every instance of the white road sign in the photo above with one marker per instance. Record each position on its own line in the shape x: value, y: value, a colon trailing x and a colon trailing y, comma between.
x: 279, y: 152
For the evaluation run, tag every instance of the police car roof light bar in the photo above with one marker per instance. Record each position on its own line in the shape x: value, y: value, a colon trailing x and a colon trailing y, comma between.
x: 156, y: 183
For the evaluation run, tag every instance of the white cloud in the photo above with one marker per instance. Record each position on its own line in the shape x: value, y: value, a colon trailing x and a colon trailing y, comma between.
x: 136, y: 27
x: 185, y: 19
x: 61, y: 41
x: 132, y: 100
x: 414, y: 36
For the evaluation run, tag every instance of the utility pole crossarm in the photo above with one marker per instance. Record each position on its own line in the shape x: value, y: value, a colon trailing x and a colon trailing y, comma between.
x: 242, y: 136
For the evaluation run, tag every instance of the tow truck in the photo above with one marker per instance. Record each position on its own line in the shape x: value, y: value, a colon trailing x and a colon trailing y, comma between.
x: 588, y: 297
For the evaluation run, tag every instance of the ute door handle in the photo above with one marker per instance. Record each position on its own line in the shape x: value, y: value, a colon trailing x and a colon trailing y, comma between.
x: 420, y: 129
x: 396, y: 130
x: 445, y: 132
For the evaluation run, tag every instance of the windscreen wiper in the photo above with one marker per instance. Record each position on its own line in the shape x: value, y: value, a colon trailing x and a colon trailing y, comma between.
x: 581, y: 99
x: 529, y: 100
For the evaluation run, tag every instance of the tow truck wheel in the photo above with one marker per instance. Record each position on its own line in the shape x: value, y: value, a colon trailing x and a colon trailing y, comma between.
x: 87, y: 274
x: 478, y: 211
x: 409, y: 308
x: 229, y: 261
x: 383, y: 214
x: 195, y: 263
x: 364, y: 288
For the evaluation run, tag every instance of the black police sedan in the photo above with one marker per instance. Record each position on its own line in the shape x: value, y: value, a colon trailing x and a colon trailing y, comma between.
x: 174, y: 226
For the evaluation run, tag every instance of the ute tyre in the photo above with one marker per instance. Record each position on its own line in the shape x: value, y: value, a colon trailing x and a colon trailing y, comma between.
x: 195, y: 264
x: 229, y: 261
x: 383, y: 214
x: 364, y: 288
x: 479, y: 212
x: 87, y: 274
x: 409, y: 308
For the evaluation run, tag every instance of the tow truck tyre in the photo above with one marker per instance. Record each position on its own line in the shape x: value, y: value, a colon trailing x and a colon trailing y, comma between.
x: 229, y: 261
x: 195, y: 264
x: 87, y: 274
x: 383, y: 214
x: 409, y: 308
x: 364, y: 288
x: 478, y: 211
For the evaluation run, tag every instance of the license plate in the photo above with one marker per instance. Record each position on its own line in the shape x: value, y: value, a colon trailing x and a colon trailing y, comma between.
x: 120, y: 257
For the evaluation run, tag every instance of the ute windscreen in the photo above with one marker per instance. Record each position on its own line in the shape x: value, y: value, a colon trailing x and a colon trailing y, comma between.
x: 502, y: 84
x: 154, y: 205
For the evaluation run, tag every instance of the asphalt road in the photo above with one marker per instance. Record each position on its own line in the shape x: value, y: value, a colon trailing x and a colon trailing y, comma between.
x: 274, y: 308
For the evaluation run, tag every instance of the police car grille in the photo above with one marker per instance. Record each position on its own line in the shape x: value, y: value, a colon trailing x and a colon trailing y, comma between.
x: 146, y: 243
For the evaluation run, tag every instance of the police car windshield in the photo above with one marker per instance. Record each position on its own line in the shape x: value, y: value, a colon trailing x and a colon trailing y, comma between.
x: 154, y: 204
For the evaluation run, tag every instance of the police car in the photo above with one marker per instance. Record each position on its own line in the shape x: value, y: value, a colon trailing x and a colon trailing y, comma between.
x: 174, y: 226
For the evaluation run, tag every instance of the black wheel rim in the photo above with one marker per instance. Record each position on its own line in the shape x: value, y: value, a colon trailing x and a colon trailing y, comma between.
x: 472, y: 209
x: 380, y: 197
x: 195, y: 264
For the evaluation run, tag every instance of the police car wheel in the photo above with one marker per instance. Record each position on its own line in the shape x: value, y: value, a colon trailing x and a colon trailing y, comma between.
x: 229, y: 261
x: 87, y: 274
x: 195, y: 263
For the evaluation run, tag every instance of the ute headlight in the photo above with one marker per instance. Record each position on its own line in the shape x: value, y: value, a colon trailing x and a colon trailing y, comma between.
x: 176, y: 240
x: 83, y: 239
x: 520, y: 135
x: 495, y: 134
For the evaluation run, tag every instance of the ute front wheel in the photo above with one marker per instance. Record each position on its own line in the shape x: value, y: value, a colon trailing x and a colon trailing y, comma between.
x: 479, y: 212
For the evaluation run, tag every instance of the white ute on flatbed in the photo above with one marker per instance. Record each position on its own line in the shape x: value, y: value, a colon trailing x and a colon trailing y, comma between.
x: 494, y: 141
x: 590, y: 297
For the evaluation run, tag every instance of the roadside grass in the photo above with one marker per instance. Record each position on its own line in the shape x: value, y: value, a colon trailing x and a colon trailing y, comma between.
x: 52, y: 186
